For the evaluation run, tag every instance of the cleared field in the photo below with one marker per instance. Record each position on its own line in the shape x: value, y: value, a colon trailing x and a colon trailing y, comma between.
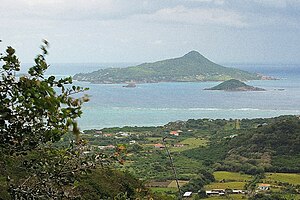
x: 174, y: 185
x: 190, y: 143
x: 231, y: 176
x: 283, y: 177
x: 228, y: 185
x: 163, y: 189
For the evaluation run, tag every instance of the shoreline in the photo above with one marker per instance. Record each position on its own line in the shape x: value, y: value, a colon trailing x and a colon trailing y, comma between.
x: 163, y: 124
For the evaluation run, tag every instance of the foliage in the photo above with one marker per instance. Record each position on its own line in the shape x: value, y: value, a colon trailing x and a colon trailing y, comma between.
x: 32, y: 111
x: 105, y: 183
x: 197, y: 183
x: 35, y: 112
x: 259, y: 145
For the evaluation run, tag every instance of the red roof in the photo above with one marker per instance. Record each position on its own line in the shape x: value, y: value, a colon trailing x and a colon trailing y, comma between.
x: 159, y: 145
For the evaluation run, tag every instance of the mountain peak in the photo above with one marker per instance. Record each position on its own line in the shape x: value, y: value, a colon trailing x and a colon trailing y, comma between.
x: 192, y: 54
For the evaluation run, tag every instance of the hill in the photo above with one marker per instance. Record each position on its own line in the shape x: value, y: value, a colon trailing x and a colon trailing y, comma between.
x: 192, y: 67
x: 235, y: 85
x: 273, y: 146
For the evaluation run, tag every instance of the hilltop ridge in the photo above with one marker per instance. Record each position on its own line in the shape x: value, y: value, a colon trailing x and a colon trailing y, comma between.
x: 192, y: 67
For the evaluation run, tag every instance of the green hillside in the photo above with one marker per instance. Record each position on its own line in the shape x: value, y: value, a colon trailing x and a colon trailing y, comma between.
x: 273, y: 146
x: 235, y: 85
x: 191, y: 67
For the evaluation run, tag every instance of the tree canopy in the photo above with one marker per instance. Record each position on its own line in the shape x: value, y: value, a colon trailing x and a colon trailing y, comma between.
x: 36, y: 111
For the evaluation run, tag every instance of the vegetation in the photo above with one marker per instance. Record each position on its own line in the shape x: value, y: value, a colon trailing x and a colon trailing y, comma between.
x: 35, y: 113
x: 246, y: 149
x: 282, y: 178
x: 225, y: 176
x: 235, y: 85
x: 192, y: 67
x: 44, y: 156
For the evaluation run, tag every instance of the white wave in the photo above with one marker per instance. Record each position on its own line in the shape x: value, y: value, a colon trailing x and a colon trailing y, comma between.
x: 203, y: 109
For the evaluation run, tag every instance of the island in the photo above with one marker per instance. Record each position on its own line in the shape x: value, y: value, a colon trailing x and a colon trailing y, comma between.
x: 234, y: 85
x: 130, y: 85
x: 192, y: 67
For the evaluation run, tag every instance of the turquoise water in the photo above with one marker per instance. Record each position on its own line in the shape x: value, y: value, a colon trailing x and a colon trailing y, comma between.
x: 160, y: 103
x: 157, y: 104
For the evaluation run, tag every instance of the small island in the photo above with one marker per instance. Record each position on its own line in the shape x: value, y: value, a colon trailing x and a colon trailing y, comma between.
x: 130, y: 85
x: 235, y: 85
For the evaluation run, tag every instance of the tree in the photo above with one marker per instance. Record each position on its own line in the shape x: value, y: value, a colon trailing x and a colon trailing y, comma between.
x: 34, y: 109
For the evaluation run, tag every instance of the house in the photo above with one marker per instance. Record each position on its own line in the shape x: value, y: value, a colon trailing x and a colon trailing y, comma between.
x: 264, y: 186
x: 132, y: 142
x: 211, y: 193
x: 237, y: 191
x: 174, y: 133
x: 215, y: 192
x: 124, y: 134
x: 220, y: 191
x: 159, y: 146
x: 107, y: 147
x: 178, y: 145
x: 187, y: 195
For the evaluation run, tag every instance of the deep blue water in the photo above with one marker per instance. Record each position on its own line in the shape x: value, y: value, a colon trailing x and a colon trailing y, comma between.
x: 159, y: 103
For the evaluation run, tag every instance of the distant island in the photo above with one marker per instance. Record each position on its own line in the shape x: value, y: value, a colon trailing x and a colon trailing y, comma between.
x: 130, y: 85
x: 235, y: 85
x: 192, y: 67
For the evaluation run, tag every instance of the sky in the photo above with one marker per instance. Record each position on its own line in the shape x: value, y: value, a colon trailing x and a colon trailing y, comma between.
x: 97, y: 31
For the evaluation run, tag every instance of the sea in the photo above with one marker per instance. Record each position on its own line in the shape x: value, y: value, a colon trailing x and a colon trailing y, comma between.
x: 112, y: 105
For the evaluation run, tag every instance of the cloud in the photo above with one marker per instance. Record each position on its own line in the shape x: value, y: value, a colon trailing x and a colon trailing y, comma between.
x: 197, y: 16
x: 71, y: 9
x: 279, y: 4
x: 217, y: 2
x: 273, y: 3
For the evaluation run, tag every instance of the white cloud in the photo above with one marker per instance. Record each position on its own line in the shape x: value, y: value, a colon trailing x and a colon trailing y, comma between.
x: 197, y: 16
x: 70, y: 9
x: 216, y: 2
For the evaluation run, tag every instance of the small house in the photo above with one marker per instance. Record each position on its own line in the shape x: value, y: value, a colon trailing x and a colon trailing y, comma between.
x: 211, y: 193
x: 132, y: 142
x: 187, y: 195
x: 159, y: 146
x: 264, y: 186
x: 174, y: 133
x: 178, y: 145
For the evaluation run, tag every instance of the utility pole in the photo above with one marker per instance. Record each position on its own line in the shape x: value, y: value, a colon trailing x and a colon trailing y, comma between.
x: 173, y: 168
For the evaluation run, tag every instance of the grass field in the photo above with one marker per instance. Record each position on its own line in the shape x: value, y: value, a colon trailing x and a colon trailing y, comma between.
x: 283, y: 177
x: 228, y: 185
x: 190, y: 143
x: 163, y: 189
x: 232, y: 176
x: 174, y: 185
